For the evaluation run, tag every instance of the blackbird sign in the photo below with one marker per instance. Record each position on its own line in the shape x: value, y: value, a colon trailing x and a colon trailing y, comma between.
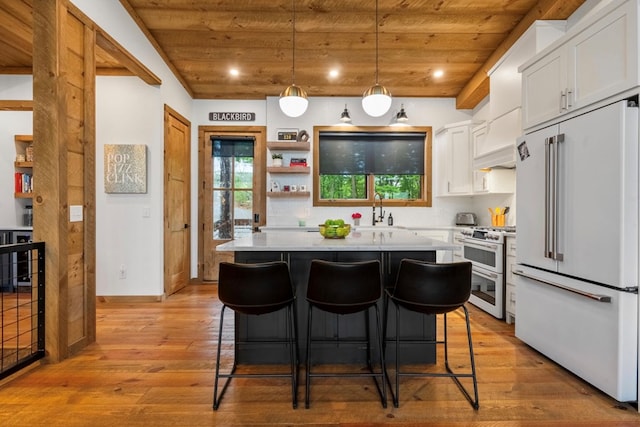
x: 222, y: 116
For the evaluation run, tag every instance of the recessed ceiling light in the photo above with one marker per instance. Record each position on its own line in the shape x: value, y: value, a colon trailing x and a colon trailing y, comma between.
x: 438, y: 73
x: 333, y: 73
x: 234, y: 72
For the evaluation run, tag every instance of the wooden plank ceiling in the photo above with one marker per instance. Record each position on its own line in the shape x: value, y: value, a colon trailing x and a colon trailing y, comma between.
x: 202, y: 40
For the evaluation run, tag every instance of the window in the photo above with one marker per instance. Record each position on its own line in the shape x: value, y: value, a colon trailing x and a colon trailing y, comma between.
x: 351, y: 166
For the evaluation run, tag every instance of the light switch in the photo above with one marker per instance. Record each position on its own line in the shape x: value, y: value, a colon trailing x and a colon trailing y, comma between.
x: 146, y: 212
x: 75, y: 213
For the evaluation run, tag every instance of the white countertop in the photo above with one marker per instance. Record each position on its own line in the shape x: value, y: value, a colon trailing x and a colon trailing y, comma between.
x: 362, y: 227
x: 387, y: 240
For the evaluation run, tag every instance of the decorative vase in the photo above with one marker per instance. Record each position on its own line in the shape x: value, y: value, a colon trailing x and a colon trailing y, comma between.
x: 277, y: 162
x: 356, y: 221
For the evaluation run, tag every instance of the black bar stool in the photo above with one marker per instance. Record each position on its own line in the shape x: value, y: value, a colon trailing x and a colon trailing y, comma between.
x: 430, y: 288
x: 255, y: 289
x: 346, y: 288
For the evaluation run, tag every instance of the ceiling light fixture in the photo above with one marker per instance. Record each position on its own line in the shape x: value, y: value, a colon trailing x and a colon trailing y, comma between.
x: 401, y: 117
x: 345, y: 117
x: 376, y: 100
x: 293, y: 100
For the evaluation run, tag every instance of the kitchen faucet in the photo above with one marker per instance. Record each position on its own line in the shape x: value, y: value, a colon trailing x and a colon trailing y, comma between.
x: 381, y: 215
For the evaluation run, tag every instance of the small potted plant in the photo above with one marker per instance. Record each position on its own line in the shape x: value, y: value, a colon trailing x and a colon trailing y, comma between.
x: 277, y: 159
x: 356, y: 218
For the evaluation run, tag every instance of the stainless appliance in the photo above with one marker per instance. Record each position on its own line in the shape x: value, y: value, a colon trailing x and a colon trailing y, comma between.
x: 6, y: 284
x: 466, y: 218
x: 22, y: 262
x: 577, y: 258
x: 484, y: 248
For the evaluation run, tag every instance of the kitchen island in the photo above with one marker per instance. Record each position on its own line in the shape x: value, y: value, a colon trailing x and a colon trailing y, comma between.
x: 298, y: 249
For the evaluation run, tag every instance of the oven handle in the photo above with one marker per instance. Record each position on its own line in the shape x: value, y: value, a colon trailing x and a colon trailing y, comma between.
x: 490, y: 276
x: 482, y: 245
x: 600, y: 298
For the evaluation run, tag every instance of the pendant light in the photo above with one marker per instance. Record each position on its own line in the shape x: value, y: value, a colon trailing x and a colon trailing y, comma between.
x: 345, y: 117
x: 376, y: 100
x: 401, y: 117
x: 293, y: 100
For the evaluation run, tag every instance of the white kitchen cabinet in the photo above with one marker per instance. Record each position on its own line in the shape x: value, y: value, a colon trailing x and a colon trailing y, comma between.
x: 510, y: 280
x: 494, y: 181
x: 596, y: 59
x: 443, y: 236
x: 505, y: 80
x: 458, y: 239
x: 453, y: 159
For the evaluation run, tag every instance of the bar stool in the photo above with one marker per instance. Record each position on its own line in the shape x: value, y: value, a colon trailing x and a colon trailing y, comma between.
x: 342, y: 289
x: 256, y: 289
x: 430, y: 288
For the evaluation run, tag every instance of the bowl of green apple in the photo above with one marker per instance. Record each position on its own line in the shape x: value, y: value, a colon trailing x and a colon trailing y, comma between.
x: 334, y: 229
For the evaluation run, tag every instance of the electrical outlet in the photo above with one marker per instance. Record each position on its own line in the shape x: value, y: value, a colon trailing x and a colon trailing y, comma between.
x: 123, y: 271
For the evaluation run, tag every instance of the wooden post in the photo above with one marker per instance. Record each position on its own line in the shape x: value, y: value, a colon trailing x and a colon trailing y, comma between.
x: 50, y: 175
x: 64, y: 171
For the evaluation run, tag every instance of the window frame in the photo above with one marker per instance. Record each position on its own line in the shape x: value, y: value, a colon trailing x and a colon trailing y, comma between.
x: 427, y: 178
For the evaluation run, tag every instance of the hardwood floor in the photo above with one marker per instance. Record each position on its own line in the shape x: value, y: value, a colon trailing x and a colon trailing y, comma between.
x: 153, y: 362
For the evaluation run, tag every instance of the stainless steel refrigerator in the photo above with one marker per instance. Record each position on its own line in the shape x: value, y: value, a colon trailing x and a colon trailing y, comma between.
x: 577, y: 256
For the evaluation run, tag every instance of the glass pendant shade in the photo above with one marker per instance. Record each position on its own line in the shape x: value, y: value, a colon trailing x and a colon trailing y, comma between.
x: 376, y: 100
x: 293, y: 101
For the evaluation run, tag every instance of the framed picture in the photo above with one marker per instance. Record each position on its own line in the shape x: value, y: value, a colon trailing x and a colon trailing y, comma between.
x: 294, y: 187
x: 302, y: 187
x: 125, y: 168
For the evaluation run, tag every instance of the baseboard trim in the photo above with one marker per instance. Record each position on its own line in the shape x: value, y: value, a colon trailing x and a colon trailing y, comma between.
x: 129, y: 299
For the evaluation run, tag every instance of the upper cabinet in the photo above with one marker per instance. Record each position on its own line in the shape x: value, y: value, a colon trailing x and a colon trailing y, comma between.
x: 596, y: 59
x: 453, y: 159
x: 494, y: 142
x: 505, y: 79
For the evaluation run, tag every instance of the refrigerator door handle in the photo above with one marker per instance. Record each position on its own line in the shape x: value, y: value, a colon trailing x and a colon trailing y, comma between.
x: 547, y: 161
x: 556, y: 190
x: 596, y: 297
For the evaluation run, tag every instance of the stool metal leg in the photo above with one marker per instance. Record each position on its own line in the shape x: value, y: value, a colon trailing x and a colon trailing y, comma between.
x: 383, y: 366
x: 217, y: 397
x: 474, y: 401
x: 292, y: 335
x: 308, y: 364
x: 291, y: 341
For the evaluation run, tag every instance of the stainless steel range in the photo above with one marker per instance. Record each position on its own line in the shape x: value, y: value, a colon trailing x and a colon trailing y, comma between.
x: 484, y: 247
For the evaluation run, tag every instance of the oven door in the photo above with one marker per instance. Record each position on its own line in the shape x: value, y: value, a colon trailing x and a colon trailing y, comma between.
x: 487, y: 291
x: 484, y: 254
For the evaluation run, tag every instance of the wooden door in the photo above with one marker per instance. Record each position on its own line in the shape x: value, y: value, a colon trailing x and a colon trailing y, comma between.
x: 210, y: 218
x: 176, y: 201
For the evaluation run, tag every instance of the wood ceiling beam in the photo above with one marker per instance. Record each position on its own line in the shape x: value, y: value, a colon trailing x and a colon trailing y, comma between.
x: 478, y: 87
x: 113, y: 48
x: 156, y: 45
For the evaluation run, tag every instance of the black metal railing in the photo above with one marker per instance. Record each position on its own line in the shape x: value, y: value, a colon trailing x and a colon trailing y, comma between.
x: 21, y: 306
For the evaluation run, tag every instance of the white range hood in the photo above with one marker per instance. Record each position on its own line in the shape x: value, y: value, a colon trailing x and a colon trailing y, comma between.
x: 497, y: 146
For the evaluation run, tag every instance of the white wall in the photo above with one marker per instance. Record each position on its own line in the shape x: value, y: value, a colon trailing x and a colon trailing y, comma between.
x: 128, y: 111
x: 325, y: 111
x: 12, y: 123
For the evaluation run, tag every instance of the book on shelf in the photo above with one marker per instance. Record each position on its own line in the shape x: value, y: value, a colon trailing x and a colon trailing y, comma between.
x: 23, y: 182
x: 298, y: 162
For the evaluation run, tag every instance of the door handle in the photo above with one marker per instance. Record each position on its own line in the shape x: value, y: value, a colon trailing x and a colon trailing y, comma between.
x: 596, y: 297
x: 186, y: 226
